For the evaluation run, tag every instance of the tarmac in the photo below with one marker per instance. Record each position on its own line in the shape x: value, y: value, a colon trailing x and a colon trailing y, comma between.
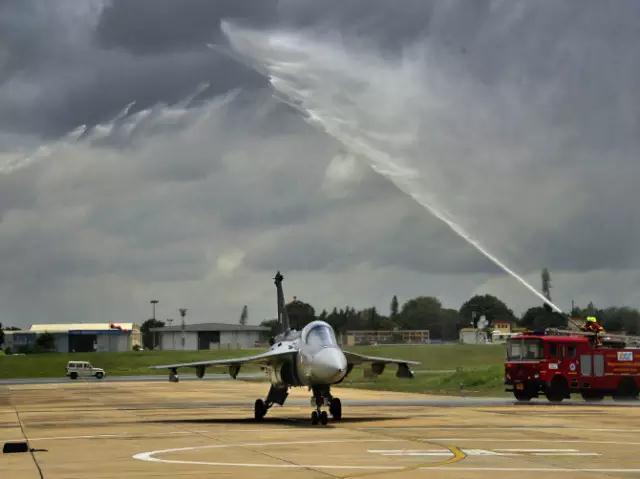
x: 197, y: 429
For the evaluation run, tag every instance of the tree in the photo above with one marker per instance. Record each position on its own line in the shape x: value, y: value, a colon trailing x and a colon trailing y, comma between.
x: 148, y: 337
x: 486, y: 305
x: 370, y: 319
x: 394, y: 307
x: 614, y: 319
x: 273, y: 325
x: 450, y: 323
x: 540, y: 318
x: 1, y: 335
x: 300, y: 313
x: 244, y: 315
x: 46, y: 342
x: 426, y: 312
x: 344, y: 319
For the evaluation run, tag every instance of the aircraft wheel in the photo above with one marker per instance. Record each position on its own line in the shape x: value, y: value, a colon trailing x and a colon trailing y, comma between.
x: 324, y: 418
x: 314, y: 417
x: 335, y: 408
x: 259, y: 410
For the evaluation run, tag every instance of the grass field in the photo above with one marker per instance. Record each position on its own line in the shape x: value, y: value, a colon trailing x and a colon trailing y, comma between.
x: 130, y: 363
x: 475, y: 370
x: 444, y: 369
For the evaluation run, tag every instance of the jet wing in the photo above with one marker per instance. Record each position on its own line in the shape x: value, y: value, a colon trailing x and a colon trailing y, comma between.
x: 270, y: 358
x: 378, y: 364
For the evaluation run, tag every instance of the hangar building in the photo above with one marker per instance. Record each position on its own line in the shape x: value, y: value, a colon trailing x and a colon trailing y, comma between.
x: 209, y: 336
x: 78, y: 337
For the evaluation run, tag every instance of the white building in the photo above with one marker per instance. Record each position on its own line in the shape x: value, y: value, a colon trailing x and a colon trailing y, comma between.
x: 78, y: 337
x: 209, y: 336
x: 473, y: 336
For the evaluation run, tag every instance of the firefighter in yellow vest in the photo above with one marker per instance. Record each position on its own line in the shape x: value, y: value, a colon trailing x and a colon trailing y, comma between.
x: 591, y: 326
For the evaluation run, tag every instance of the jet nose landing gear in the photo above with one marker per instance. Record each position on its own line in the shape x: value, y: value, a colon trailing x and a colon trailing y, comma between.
x: 322, y: 397
x: 319, y: 417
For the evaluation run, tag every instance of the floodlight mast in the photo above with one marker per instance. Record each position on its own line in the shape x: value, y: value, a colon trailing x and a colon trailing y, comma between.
x: 183, y: 313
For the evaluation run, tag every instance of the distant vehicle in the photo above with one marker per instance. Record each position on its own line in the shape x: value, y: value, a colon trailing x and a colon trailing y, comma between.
x: 83, y: 369
x: 559, y: 363
x: 311, y: 357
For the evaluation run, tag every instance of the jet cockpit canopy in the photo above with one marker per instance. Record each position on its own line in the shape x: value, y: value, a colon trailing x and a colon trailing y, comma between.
x: 319, y: 334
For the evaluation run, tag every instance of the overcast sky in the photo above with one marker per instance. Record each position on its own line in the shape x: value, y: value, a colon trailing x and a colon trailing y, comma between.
x: 185, y: 151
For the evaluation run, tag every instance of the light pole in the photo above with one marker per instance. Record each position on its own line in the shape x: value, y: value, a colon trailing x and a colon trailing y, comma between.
x: 153, y: 316
x: 183, y: 313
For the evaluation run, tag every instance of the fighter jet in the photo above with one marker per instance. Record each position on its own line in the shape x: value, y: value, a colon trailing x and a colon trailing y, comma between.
x: 311, y: 357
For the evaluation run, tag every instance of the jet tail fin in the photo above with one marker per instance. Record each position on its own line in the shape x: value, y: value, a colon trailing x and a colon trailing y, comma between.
x: 283, y: 317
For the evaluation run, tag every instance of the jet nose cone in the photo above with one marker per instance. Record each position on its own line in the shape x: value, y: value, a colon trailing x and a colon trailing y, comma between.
x: 329, y: 366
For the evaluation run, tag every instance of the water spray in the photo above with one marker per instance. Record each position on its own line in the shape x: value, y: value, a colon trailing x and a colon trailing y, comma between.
x: 286, y: 91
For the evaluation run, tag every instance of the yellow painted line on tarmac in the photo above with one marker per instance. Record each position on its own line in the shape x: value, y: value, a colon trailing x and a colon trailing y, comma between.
x: 458, y: 456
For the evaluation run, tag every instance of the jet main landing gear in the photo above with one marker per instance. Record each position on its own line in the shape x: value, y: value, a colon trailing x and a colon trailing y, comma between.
x: 259, y: 409
x: 277, y: 395
x: 322, y: 397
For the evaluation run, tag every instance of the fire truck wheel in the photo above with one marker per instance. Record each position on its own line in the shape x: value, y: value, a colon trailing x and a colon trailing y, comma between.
x: 592, y: 396
x: 557, y: 390
x: 522, y: 395
x: 627, y: 389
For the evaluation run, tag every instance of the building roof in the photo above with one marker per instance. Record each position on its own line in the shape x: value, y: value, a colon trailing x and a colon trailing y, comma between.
x: 210, y: 327
x: 66, y: 327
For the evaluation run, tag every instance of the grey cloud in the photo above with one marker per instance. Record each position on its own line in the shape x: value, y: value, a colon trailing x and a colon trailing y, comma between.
x: 521, y: 120
x: 164, y: 25
x: 63, y: 67
x: 526, y: 134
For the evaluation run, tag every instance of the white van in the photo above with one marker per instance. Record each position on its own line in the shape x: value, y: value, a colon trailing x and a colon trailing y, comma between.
x: 80, y: 369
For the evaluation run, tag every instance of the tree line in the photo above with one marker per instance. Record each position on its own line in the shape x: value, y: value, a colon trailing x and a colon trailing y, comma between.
x: 427, y: 312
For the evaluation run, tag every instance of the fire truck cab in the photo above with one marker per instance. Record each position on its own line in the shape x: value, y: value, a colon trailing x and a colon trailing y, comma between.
x: 557, y: 366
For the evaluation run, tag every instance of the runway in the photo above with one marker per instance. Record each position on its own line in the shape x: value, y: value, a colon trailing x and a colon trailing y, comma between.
x: 142, y: 378
x: 205, y: 429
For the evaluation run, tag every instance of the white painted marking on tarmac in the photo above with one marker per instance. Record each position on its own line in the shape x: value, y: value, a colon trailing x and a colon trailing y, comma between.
x: 536, y: 450
x: 501, y: 439
x: 482, y: 452
x: 150, y: 456
x: 566, y: 454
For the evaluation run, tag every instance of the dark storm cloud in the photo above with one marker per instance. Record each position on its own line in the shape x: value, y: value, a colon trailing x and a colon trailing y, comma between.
x: 527, y: 123
x: 152, y: 26
x: 79, y: 63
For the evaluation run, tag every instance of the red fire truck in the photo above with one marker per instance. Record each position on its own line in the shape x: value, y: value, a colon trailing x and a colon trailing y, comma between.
x: 559, y: 364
